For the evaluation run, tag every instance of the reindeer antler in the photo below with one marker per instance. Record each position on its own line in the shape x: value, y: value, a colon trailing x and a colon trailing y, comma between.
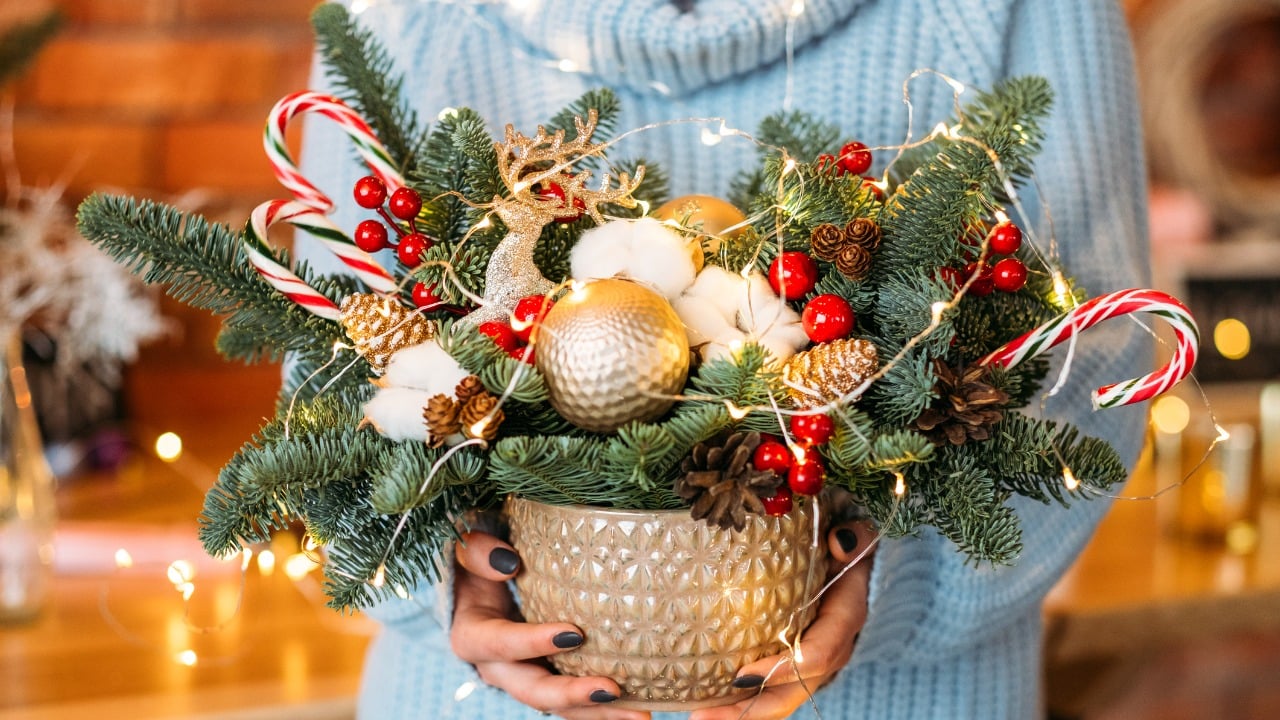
x: 524, y: 161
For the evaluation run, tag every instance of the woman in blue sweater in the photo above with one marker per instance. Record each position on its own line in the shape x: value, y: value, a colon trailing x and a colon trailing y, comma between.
x: 941, y: 639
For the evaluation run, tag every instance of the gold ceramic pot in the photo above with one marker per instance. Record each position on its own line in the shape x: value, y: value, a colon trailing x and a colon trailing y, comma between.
x: 671, y: 607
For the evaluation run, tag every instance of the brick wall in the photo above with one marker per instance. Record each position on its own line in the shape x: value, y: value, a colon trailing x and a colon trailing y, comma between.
x: 159, y: 98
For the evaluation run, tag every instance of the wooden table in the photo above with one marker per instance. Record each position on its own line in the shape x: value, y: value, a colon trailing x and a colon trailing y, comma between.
x: 119, y: 642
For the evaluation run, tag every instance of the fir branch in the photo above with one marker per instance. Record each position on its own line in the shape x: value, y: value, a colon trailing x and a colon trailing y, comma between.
x: 363, y: 70
x: 205, y: 266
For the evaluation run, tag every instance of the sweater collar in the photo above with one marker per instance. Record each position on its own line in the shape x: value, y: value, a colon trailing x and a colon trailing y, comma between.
x: 653, y: 44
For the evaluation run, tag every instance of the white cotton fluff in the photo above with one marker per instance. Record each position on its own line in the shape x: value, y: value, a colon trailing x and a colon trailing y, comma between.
x: 644, y: 250
x: 426, y: 367
x: 397, y: 413
x: 703, y: 321
x: 770, y: 322
x: 720, y: 289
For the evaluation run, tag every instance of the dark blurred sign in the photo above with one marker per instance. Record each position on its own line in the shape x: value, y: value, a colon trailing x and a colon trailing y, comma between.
x: 1253, y: 299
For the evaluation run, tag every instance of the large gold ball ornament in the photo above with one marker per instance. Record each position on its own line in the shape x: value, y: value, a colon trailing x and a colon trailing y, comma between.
x: 612, y: 351
x: 710, y: 213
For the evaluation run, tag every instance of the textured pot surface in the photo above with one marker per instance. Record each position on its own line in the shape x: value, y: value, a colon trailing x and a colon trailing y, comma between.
x: 671, y: 607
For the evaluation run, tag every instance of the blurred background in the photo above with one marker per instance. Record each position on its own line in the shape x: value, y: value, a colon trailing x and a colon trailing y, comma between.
x: 1172, y: 612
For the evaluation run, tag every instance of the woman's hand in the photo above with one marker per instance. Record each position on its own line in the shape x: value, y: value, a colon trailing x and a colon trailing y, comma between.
x: 825, y: 647
x: 508, y: 652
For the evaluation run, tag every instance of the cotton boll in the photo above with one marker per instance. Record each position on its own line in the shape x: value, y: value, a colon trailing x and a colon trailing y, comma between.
x: 784, y: 339
x: 644, y: 250
x: 702, y: 320
x: 660, y: 257
x: 397, y: 413
x: 425, y: 367
x: 719, y: 288
x: 602, y: 252
x: 723, y: 346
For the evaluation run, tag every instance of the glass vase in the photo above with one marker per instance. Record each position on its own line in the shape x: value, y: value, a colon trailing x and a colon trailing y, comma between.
x: 27, y: 504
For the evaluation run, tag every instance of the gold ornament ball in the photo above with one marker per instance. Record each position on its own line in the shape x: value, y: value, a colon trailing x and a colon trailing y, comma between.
x: 710, y: 213
x: 612, y: 351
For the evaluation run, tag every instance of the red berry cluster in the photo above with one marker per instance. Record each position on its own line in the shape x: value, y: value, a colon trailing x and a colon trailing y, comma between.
x: 403, y: 204
x: 1006, y: 275
x: 854, y: 159
x: 793, y: 275
x: 515, y: 339
x: 554, y: 191
x: 805, y: 470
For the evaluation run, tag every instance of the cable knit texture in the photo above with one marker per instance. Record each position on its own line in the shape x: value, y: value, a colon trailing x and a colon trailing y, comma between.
x: 942, y: 640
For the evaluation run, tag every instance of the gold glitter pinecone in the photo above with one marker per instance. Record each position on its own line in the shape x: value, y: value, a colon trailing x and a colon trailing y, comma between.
x: 379, y: 326
x: 826, y: 241
x: 721, y: 481
x: 863, y: 232
x: 829, y: 371
x: 441, y: 416
x: 481, y: 417
x: 966, y: 408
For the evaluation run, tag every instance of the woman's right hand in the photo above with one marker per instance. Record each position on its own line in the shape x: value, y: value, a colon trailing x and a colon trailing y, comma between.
x: 510, y: 653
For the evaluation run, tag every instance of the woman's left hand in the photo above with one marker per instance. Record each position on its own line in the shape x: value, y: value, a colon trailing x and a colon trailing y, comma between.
x: 826, y: 646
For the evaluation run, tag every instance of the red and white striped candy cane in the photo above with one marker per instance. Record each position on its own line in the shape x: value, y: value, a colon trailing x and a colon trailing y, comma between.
x: 313, y: 221
x: 367, y: 144
x: 1102, y: 308
x: 289, y: 284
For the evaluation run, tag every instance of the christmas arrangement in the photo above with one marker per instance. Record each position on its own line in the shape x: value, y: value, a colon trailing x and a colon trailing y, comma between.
x: 554, y: 328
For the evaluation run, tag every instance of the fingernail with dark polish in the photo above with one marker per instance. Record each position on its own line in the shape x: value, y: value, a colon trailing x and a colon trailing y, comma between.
x: 603, y: 696
x: 748, y: 681
x: 567, y: 639
x: 503, y: 560
x: 847, y: 538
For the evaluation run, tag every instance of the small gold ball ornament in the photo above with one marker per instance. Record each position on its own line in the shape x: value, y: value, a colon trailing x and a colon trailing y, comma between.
x: 710, y: 213
x: 612, y: 351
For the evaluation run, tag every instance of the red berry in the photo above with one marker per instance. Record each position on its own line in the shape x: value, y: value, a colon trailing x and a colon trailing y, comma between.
x: 779, y: 503
x: 528, y: 312
x: 555, y: 191
x: 951, y: 276
x: 1006, y: 238
x: 524, y: 353
x: 772, y: 455
x: 825, y: 164
x: 502, y: 334
x: 1009, y: 275
x: 855, y: 158
x: 872, y: 185
x: 370, y: 192
x: 425, y: 295
x: 815, y: 429
x: 371, y: 236
x: 793, y: 275
x: 411, y: 248
x: 405, y: 203
x: 827, y: 317
x: 985, y: 282
x: 806, y: 477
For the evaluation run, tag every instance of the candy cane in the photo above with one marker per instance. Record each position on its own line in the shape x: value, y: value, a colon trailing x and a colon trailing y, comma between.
x: 357, y: 129
x: 1102, y: 308
x: 311, y: 206
x: 313, y: 221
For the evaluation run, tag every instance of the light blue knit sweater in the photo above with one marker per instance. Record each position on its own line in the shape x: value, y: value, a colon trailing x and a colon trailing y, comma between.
x: 943, y: 640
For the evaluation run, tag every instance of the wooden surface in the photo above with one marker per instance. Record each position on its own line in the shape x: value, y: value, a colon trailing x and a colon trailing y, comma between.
x: 110, y: 644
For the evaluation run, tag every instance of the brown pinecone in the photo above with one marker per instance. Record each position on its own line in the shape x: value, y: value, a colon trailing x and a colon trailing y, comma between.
x: 966, y: 408
x: 721, y: 482
x: 854, y: 262
x: 826, y: 241
x: 441, y: 414
x: 469, y: 387
x: 481, y: 417
x: 863, y: 232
